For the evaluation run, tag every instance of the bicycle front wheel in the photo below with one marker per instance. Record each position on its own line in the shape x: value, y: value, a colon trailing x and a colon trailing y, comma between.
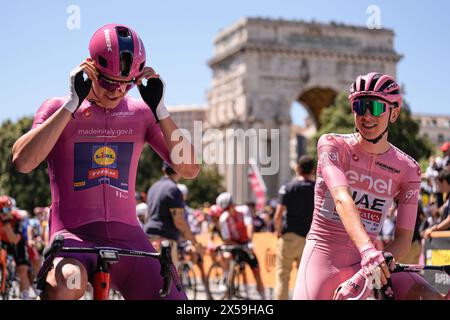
x: 237, y: 285
x: 188, y: 280
x: 216, y: 282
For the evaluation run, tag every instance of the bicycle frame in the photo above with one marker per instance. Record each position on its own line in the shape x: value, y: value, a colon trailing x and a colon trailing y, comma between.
x: 105, y: 257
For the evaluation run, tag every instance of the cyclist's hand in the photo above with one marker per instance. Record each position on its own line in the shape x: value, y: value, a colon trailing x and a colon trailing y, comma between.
x: 153, y: 93
x: 79, y: 87
x: 373, y: 265
x: 352, y: 288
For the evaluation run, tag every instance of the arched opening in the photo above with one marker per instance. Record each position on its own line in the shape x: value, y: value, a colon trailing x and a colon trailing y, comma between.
x: 316, y: 99
x: 303, y: 127
x: 305, y: 119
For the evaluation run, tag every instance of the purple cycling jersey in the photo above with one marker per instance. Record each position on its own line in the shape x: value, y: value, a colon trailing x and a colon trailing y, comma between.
x: 92, y: 167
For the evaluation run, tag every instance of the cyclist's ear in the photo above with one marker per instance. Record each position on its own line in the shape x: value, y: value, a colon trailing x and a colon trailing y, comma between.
x: 395, y: 112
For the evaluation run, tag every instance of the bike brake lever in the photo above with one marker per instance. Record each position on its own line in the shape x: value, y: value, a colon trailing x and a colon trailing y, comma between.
x: 47, y: 265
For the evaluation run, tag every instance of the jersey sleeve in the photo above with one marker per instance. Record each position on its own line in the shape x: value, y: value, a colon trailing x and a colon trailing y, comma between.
x: 46, y: 110
x: 330, y: 161
x: 282, y: 195
x: 155, y: 139
x: 408, y: 198
x: 175, y: 198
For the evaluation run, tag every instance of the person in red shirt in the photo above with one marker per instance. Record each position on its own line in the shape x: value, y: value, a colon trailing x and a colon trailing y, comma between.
x: 233, y: 231
x: 7, y: 234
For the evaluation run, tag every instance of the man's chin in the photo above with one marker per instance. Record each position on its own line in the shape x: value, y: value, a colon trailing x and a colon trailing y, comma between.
x: 109, y: 103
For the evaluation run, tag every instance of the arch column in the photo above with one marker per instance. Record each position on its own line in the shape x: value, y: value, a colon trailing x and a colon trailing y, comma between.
x: 284, y: 174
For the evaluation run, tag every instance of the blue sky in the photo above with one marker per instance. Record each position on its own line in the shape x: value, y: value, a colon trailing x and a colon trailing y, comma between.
x: 38, y: 50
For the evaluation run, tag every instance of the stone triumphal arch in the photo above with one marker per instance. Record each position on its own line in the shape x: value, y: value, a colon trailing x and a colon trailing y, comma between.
x: 262, y: 66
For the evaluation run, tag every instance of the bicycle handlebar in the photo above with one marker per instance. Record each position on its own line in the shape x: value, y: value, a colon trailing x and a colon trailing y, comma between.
x: 164, y: 258
x: 400, y: 267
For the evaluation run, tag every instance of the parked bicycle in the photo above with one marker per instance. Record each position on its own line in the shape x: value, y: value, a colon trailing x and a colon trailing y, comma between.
x: 186, y: 271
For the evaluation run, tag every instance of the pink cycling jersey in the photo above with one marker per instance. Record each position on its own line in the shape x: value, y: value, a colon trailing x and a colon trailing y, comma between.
x: 375, y: 182
x: 92, y: 167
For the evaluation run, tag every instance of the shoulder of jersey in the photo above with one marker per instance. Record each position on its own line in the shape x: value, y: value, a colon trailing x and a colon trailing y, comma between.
x: 335, y: 137
x: 54, y: 103
x: 410, y: 161
x: 282, y: 189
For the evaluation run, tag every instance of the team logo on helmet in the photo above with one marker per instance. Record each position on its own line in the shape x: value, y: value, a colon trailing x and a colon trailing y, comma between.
x: 108, y: 40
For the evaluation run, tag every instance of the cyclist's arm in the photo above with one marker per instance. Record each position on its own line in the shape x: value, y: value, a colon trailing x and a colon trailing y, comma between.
x: 30, y: 235
x: 177, y: 143
x: 33, y: 147
x: 349, y: 215
x: 9, y: 233
x: 330, y: 165
x: 278, y: 218
x: 181, y: 224
x: 401, y: 244
x: 407, y: 203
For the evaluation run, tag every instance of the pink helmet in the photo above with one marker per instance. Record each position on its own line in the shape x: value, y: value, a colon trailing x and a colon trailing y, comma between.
x: 118, y: 51
x: 376, y: 85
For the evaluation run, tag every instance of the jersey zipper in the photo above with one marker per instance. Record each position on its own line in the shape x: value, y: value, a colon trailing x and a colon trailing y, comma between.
x: 105, y: 141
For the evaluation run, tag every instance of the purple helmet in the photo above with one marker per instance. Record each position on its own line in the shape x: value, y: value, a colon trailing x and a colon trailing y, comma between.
x: 118, y: 51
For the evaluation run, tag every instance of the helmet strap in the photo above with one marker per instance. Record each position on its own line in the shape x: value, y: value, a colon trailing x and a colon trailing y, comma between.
x: 375, y: 141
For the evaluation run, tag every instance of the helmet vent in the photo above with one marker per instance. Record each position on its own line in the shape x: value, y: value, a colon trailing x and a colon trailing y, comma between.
x: 363, y: 85
x: 126, y: 59
x: 123, y: 32
x: 385, y: 85
x: 102, y: 61
x: 374, y: 81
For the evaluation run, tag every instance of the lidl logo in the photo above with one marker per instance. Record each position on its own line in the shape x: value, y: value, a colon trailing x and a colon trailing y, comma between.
x: 104, y: 156
x: 97, y: 163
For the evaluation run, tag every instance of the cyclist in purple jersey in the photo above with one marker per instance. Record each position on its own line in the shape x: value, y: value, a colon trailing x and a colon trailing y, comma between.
x: 359, y: 176
x: 92, y: 140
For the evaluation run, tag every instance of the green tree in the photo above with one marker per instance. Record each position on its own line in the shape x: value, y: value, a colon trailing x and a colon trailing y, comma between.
x: 204, y: 188
x: 404, y: 134
x: 29, y: 190
x: 149, y: 169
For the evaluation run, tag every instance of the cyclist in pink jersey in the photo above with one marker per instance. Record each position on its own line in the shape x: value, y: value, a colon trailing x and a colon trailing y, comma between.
x: 92, y: 140
x: 359, y: 176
